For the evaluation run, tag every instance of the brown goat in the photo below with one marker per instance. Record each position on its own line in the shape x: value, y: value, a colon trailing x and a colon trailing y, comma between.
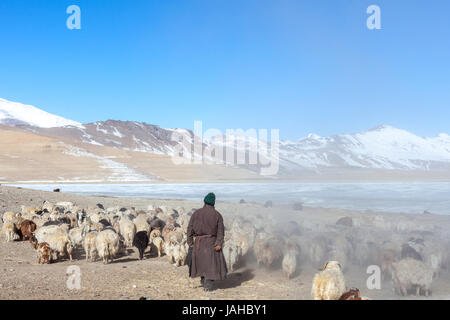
x: 43, y: 251
x: 26, y: 230
x: 352, y: 294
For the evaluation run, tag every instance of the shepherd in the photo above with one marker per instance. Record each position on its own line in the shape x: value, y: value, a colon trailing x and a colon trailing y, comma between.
x: 205, y: 238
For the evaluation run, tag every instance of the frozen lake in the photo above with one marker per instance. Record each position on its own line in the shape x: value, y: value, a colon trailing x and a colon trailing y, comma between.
x: 388, y: 197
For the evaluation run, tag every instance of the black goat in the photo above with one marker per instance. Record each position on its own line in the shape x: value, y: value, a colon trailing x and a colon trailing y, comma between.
x: 140, y: 241
x: 105, y: 223
x: 52, y: 223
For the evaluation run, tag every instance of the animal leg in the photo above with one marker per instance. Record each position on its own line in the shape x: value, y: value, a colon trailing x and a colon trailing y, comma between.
x: 403, y: 290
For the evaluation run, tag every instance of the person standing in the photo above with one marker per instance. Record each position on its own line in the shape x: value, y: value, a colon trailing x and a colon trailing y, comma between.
x: 206, y: 237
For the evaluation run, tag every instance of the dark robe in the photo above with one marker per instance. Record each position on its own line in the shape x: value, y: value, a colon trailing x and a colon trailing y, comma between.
x: 206, y: 225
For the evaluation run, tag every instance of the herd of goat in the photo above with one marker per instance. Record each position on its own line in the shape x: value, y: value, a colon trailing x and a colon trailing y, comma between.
x: 55, y: 230
x: 410, y: 256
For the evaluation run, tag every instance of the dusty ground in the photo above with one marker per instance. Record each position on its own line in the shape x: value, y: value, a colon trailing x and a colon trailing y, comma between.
x: 128, y: 278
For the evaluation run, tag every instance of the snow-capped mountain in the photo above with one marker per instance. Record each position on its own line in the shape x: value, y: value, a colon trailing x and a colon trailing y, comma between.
x: 124, y: 135
x: 17, y: 114
x: 381, y: 148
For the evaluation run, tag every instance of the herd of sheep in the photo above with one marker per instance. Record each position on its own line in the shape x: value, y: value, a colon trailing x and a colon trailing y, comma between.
x: 410, y: 255
x: 55, y: 230
x: 409, y: 252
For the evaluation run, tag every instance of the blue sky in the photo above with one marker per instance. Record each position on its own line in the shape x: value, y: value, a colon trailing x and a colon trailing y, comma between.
x: 299, y: 66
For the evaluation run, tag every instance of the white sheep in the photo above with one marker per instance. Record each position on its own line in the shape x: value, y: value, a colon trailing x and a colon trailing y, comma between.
x: 155, y: 233
x: 244, y: 236
x: 76, y: 235
x: 8, y: 216
x: 141, y: 223
x: 159, y: 244
x: 47, y: 206
x: 68, y: 248
x: 258, y: 245
x: 410, y: 274
x: 243, y: 241
x: 231, y: 253
x: 289, y: 263
x: 183, y: 221
x: 179, y: 254
x: 10, y: 231
x: 43, y: 231
x: 435, y: 261
x: 176, y: 235
x: 59, y: 243
x: 127, y: 231
x: 328, y: 284
x: 433, y: 252
x: 89, y: 245
x: 107, y: 244
x: 58, y: 239
x: 169, y: 251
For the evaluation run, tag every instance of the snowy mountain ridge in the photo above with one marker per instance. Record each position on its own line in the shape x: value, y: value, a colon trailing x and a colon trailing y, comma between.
x: 383, y: 147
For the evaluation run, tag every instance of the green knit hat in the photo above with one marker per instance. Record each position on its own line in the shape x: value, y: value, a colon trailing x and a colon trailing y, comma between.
x: 210, y: 199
